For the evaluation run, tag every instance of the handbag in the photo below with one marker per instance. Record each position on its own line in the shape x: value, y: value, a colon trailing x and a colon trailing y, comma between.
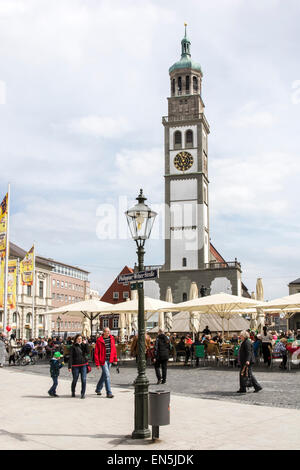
x: 88, y: 369
x: 247, y: 377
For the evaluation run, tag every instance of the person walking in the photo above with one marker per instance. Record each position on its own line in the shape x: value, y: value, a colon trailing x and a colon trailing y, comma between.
x: 78, y: 364
x: 246, y: 359
x: 2, y: 350
x: 161, y: 356
x: 266, y: 339
x: 12, y: 348
x: 105, y: 356
x: 55, y: 366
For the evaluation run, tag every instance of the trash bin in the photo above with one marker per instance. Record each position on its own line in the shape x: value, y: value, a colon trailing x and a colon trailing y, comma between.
x: 159, y: 410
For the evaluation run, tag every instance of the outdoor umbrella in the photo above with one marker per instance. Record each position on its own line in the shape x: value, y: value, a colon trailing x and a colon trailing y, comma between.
x: 194, y: 316
x: 90, y: 309
x: 122, y: 325
x: 223, y: 305
x: 134, y: 320
x: 150, y: 305
x: 169, y: 315
x: 260, y: 296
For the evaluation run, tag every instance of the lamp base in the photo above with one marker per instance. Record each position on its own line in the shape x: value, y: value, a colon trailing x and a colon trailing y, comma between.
x: 141, y: 434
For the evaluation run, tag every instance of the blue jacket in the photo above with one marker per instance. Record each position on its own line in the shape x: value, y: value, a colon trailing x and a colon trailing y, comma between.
x: 55, y: 365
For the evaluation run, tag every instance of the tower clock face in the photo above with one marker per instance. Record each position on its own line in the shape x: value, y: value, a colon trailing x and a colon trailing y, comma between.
x: 183, y: 161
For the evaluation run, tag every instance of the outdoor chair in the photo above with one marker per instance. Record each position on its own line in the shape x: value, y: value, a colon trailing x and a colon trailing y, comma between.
x: 235, y: 355
x: 212, y: 351
x: 199, y: 353
x: 180, y: 356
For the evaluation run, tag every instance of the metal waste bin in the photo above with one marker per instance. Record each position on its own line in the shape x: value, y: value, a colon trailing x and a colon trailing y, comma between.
x: 159, y: 410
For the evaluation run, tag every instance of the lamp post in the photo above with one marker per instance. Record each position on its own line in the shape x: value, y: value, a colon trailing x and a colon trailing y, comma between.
x: 140, y: 219
x: 58, y: 321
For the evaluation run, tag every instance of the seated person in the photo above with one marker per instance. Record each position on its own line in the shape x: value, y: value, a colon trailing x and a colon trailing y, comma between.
x: 218, y: 338
x: 280, y: 348
x: 182, y: 349
x: 197, y: 342
x: 235, y: 339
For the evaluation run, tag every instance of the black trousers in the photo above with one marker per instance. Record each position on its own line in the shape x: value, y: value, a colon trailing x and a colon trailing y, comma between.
x: 12, y: 358
x: 266, y: 353
x: 163, y: 364
x: 255, y: 384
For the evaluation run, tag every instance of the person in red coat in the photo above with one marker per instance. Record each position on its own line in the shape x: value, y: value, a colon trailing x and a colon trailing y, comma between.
x: 105, y: 356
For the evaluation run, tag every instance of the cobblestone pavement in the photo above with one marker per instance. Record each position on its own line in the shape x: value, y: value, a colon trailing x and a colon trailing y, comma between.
x: 280, y: 388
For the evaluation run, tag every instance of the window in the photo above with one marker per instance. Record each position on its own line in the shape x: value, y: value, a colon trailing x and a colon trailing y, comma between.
x: 14, y: 318
x: 41, y: 289
x: 173, y: 86
x: 195, y: 83
x: 57, y: 283
x: 28, y: 318
x: 179, y: 85
x: 66, y: 285
x: 41, y: 319
x: 53, y: 295
x: 70, y: 298
x: 116, y: 295
x: 125, y: 295
x: 189, y: 138
x: 184, y: 297
x: 115, y: 323
x: 177, y: 138
x: 187, y: 83
x: 184, y: 262
x: 62, y: 283
x: 53, y: 282
x: 105, y: 323
x: 29, y: 291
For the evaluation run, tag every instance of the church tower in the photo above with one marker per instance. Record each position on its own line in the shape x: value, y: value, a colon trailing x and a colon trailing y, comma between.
x: 186, y: 177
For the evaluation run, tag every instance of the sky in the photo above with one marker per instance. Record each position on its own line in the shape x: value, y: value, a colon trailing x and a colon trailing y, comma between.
x: 83, y: 88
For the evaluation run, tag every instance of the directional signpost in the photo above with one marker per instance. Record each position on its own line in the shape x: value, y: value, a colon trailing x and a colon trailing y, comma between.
x: 139, y: 276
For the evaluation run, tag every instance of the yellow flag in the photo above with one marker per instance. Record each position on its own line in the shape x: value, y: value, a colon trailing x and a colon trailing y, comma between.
x: 3, y: 226
x: 2, y: 263
x: 27, y: 268
x: 12, y: 284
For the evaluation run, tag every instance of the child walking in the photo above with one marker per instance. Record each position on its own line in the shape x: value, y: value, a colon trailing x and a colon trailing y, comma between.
x: 55, y: 365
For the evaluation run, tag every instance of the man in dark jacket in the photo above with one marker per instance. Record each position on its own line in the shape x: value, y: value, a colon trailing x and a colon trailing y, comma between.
x: 161, y: 356
x: 246, y: 359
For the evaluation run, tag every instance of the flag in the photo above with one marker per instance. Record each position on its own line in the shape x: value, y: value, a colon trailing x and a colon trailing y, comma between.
x: 27, y: 268
x: 12, y: 284
x: 3, y: 225
x: 2, y: 263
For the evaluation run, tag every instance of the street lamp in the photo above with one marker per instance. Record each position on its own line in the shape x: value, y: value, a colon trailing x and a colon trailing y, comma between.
x: 140, y: 220
x: 58, y: 320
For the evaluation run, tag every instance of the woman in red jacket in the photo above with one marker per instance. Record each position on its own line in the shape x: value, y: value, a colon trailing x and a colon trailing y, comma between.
x: 105, y: 355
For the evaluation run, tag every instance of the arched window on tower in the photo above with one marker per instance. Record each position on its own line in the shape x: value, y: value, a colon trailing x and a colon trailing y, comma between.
x: 179, y: 85
x: 189, y: 138
x: 177, y: 140
x: 187, y: 83
x: 173, y: 86
x: 184, y: 262
x: 184, y: 297
x: 195, y: 84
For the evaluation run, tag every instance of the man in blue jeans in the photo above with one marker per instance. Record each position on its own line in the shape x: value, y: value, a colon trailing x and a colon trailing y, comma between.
x: 105, y: 355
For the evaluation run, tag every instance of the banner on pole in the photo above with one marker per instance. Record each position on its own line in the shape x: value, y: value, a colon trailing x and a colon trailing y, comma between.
x: 27, y: 268
x: 12, y: 284
x: 2, y: 275
x: 3, y: 225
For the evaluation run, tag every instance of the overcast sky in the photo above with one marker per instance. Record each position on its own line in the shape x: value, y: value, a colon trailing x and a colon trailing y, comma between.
x: 83, y: 87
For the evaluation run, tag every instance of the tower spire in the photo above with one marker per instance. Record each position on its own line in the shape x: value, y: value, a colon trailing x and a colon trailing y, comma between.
x: 185, y: 44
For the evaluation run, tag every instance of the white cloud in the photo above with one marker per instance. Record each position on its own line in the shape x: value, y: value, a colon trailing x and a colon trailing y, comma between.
x: 250, y: 116
x: 253, y: 185
x: 99, y: 126
x: 135, y: 169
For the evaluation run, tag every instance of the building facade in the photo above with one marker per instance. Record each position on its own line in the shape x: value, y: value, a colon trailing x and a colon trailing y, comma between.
x: 56, y: 285
x: 189, y: 254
